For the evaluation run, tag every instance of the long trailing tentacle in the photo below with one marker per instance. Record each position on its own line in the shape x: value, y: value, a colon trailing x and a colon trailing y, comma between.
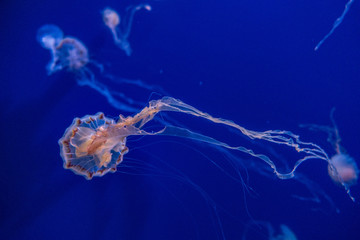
x: 336, y: 24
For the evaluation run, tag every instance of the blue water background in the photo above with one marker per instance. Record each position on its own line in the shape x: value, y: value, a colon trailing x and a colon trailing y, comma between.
x: 249, y: 61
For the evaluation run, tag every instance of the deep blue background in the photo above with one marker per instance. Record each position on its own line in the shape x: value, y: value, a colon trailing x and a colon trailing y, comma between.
x: 248, y: 61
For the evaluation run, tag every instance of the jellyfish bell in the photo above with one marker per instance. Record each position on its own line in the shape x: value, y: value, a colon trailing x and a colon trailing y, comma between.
x: 71, y: 54
x: 94, y: 144
x: 49, y: 36
x: 343, y: 169
x: 111, y: 18
x: 89, y: 149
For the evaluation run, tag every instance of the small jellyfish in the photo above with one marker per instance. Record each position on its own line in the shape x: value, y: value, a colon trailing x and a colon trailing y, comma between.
x: 121, y: 29
x: 49, y: 36
x: 92, y: 149
x: 71, y: 54
x: 342, y: 168
x: 346, y: 169
x: 337, y: 23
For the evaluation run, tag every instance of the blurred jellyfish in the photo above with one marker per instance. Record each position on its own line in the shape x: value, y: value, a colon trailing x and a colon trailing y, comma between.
x: 343, y: 168
x: 285, y: 232
x: 71, y: 54
x: 49, y: 36
x: 337, y: 23
x: 121, y: 29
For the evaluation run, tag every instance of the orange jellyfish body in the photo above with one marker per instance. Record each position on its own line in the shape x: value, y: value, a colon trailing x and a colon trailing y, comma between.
x: 111, y: 18
x: 73, y: 53
x: 346, y: 169
x: 89, y: 149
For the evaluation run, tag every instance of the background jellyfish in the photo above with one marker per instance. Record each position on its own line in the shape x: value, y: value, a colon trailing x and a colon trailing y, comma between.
x: 92, y: 150
x: 337, y: 23
x: 71, y: 54
x: 121, y: 29
x: 343, y: 168
x: 50, y: 36
x: 255, y: 228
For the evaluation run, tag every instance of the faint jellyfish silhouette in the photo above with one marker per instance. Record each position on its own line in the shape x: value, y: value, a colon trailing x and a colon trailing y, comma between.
x: 336, y: 24
x: 121, y: 29
x: 98, y: 149
x: 343, y: 168
x: 285, y: 232
x: 49, y: 36
x: 346, y: 169
x: 71, y: 54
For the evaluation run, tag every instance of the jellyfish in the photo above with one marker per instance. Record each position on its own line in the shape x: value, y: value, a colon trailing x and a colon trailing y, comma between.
x: 336, y: 24
x: 94, y: 145
x: 49, y: 36
x: 71, y: 54
x: 285, y: 232
x: 121, y: 29
x: 342, y: 167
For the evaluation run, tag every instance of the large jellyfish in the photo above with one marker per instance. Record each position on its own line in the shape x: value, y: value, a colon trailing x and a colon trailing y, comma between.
x: 71, y: 54
x: 342, y: 167
x: 337, y: 23
x: 95, y: 145
x: 120, y: 29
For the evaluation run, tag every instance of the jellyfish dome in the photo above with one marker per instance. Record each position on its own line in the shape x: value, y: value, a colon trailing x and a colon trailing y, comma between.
x: 88, y: 148
x: 345, y: 171
x: 111, y: 18
x: 49, y: 36
x: 71, y: 53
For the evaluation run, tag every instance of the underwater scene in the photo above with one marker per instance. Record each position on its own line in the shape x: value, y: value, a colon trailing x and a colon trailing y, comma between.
x: 180, y: 119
